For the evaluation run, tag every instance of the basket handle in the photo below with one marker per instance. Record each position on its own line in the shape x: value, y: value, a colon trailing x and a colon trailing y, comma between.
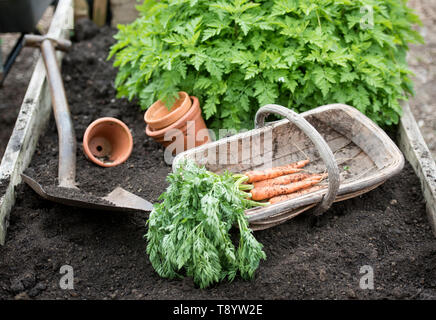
x: 319, y: 142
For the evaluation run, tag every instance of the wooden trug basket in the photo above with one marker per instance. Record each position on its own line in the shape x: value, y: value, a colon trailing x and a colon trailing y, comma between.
x: 356, y: 153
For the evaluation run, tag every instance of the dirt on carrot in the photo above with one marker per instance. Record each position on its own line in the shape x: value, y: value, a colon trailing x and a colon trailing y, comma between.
x: 286, y: 179
x: 295, y: 194
x: 269, y: 192
x: 260, y: 175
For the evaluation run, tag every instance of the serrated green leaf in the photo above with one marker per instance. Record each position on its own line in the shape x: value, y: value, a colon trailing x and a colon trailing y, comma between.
x: 325, y: 46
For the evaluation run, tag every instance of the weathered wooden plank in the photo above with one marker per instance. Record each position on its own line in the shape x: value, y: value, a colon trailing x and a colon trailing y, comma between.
x: 123, y: 11
x: 31, y: 120
x: 99, y: 12
x: 417, y: 153
x: 81, y: 9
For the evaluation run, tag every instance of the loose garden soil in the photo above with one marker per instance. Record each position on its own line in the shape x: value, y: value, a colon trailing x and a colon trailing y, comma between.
x: 307, y: 258
x: 12, y: 93
x: 15, y: 85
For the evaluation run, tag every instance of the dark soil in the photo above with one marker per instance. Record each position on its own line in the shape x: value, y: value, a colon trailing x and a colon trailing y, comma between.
x: 12, y: 93
x: 307, y: 258
x: 75, y: 194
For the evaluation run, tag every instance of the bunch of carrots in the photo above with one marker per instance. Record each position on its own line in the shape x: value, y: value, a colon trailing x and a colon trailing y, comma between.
x: 281, y: 183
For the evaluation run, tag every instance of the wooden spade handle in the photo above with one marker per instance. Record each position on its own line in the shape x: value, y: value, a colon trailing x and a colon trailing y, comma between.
x: 61, y: 110
x: 319, y: 142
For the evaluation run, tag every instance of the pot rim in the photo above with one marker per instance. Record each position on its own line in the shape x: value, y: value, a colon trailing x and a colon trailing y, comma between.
x: 177, y: 113
x: 194, y: 108
x: 88, y: 152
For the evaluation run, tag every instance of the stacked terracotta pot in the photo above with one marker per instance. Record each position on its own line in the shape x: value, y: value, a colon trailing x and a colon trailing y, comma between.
x: 181, y: 122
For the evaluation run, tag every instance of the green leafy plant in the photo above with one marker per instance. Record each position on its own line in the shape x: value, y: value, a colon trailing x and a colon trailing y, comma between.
x: 238, y: 55
x: 188, y: 233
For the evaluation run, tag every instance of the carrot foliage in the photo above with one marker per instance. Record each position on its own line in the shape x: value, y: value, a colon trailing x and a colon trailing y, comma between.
x: 189, y: 232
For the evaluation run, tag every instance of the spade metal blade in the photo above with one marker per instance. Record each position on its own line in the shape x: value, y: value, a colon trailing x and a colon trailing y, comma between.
x: 118, y: 200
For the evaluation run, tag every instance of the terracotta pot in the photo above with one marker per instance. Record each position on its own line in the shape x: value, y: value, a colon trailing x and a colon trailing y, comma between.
x: 107, y: 142
x: 181, y: 137
x: 158, y: 116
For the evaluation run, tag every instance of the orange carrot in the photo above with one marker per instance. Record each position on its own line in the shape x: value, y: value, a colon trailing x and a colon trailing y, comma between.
x: 286, y: 179
x: 263, y: 193
x: 259, y: 175
x: 295, y: 194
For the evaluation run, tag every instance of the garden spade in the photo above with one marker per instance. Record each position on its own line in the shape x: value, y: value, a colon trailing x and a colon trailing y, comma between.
x: 117, y: 200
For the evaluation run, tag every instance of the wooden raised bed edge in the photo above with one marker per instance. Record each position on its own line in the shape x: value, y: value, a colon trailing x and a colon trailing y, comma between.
x: 417, y: 153
x: 31, y: 121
